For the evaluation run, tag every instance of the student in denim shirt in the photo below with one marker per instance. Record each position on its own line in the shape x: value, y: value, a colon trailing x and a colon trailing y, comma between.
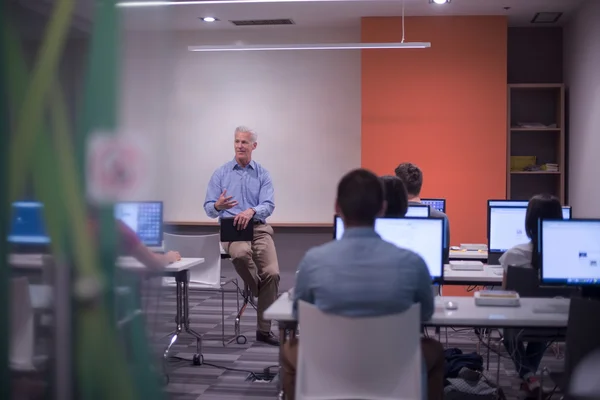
x: 359, y: 275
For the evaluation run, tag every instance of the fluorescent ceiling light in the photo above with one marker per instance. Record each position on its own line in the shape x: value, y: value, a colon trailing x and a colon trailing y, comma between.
x: 150, y: 3
x: 322, y: 46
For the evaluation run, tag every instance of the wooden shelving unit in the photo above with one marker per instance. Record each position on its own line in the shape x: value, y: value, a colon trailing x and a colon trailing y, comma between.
x: 536, y: 104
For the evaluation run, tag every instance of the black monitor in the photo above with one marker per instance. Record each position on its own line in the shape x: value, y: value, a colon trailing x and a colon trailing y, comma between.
x: 423, y: 235
x: 506, y: 226
x: 508, y: 203
x: 570, y: 252
x: 27, y: 232
x: 438, y: 204
x: 145, y: 218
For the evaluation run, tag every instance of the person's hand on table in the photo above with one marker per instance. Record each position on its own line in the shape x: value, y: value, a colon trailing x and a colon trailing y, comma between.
x: 241, y: 220
x: 225, y: 202
x: 172, y: 256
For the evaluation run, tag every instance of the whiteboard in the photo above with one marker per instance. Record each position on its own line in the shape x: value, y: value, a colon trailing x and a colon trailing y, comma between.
x: 305, y: 107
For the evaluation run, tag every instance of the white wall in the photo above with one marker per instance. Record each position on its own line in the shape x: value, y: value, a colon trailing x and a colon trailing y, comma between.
x: 582, y: 76
x: 305, y: 106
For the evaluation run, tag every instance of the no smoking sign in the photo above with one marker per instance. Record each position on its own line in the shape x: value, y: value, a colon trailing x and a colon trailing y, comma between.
x: 116, y: 168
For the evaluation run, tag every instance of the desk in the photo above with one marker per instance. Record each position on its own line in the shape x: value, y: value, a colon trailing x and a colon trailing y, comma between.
x: 481, y: 255
x: 467, y: 314
x: 489, y: 276
x: 179, y: 270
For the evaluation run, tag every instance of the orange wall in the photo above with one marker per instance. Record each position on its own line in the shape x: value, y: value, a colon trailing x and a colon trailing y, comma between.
x: 443, y: 108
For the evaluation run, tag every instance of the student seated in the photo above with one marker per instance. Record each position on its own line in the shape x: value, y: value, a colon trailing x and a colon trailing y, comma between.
x: 527, y: 358
x: 395, y: 196
x: 412, y: 176
x: 362, y: 275
x: 130, y: 245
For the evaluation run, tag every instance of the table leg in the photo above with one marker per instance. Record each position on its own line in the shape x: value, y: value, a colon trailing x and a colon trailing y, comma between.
x: 179, y: 319
x: 198, y: 357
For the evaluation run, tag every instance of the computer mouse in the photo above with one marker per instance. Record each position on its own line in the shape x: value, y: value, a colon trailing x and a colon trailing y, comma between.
x: 451, y: 305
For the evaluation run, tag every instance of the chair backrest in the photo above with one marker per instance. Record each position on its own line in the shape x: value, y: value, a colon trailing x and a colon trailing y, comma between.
x: 359, y: 358
x: 199, y: 246
x: 582, y: 332
x: 21, y: 326
x: 584, y: 379
x: 526, y: 282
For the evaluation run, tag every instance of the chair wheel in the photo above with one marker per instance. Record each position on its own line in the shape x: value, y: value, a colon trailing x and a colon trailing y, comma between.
x: 241, y: 339
x: 198, y: 359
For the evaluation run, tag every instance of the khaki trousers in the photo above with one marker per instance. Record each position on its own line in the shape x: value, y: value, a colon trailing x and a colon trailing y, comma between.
x: 256, y: 263
x: 432, y: 350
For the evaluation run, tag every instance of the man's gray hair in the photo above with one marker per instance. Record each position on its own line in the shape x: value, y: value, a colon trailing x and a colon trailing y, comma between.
x: 245, y: 129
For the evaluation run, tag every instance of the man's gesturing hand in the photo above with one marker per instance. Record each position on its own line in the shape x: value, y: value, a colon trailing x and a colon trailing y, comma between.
x: 224, y: 202
x: 241, y: 220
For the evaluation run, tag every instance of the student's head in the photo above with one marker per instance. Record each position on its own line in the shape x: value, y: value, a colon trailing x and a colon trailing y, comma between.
x: 541, y: 206
x: 412, y: 177
x: 360, y: 198
x: 395, y: 195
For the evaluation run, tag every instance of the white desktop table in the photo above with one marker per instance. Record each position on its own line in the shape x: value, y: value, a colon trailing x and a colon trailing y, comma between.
x: 467, y: 314
x: 481, y: 255
x: 42, y: 294
x: 489, y: 276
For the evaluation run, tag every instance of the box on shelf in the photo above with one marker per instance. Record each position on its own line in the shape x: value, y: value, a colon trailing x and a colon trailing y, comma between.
x: 518, y: 163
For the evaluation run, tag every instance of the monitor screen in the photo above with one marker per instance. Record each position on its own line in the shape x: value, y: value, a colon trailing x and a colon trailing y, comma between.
x: 570, y: 252
x: 424, y: 236
x: 28, y: 226
x: 506, y: 227
x: 508, y: 203
x: 438, y: 204
x: 417, y: 211
x: 145, y: 218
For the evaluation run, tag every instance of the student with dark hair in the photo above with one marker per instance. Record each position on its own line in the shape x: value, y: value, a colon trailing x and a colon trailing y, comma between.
x: 395, y: 195
x: 412, y: 176
x: 362, y: 275
x: 527, y: 358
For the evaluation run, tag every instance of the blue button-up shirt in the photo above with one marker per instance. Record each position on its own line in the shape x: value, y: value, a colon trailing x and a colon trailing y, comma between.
x: 250, y: 186
x: 361, y: 275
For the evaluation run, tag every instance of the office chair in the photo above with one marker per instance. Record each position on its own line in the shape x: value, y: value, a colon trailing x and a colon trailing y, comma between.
x: 341, y: 366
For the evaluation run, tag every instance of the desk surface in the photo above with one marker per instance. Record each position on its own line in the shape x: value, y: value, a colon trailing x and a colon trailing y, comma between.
x: 467, y: 314
x: 488, y: 276
x: 178, y: 266
x: 468, y: 255
x: 35, y: 261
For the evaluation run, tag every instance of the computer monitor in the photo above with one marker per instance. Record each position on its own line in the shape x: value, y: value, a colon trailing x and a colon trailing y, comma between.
x: 506, y: 226
x: 419, y: 211
x: 438, y: 204
x: 423, y: 235
x: 570, y: 252
x: 508, y: 203
x: 28, y: 226
x: 145, y: 218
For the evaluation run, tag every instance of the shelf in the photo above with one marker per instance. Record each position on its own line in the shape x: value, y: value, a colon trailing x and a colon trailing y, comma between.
x: 535, y: 172
x: 535, y: 85
x: 535, y: 129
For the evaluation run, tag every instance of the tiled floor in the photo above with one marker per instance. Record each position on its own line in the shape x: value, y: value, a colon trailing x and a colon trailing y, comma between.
x: 206, y: 382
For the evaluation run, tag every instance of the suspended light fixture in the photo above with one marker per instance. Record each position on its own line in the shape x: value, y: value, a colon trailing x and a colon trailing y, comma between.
x: 316, y: 46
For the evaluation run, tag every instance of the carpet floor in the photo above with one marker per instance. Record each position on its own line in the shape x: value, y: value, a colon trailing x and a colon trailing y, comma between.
x: 224, y: 376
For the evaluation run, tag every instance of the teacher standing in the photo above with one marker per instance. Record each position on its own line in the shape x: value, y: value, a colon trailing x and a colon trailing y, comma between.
x: 243, y: 189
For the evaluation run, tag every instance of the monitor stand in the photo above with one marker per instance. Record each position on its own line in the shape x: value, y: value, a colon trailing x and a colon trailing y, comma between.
x: 591, y: 292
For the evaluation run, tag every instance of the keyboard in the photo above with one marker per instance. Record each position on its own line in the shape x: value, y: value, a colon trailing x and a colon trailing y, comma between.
x: 466, y: 265
x: 552, y: 309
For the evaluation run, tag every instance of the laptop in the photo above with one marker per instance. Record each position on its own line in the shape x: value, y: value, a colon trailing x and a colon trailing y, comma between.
x: 230, y: 233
